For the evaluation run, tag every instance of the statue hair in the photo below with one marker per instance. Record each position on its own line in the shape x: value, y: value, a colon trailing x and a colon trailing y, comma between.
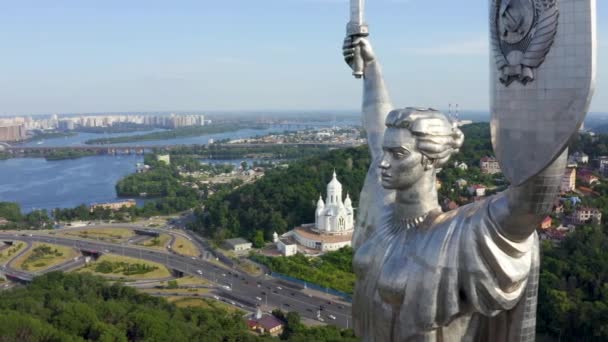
x: 437, y: 137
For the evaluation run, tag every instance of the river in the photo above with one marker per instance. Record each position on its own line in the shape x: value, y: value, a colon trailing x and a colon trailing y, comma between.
x: 36, y: 183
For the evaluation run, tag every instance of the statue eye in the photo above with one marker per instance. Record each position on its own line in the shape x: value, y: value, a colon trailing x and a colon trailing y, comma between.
x: 399, y: 154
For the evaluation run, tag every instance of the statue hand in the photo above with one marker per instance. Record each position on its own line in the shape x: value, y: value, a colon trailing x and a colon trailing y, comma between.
x: 357, y: 50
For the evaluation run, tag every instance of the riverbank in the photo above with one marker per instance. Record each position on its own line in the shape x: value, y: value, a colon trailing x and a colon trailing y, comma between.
x: 174, y: 134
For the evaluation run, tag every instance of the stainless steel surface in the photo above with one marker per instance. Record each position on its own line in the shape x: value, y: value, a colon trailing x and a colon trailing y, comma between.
x: 357, y: 28
x: 542, y: 86
x: 470, y: 274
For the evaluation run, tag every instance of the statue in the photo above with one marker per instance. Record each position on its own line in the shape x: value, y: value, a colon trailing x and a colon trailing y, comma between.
x: 470, y: 274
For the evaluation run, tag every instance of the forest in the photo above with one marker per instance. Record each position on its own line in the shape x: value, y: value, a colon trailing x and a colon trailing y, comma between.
x: 77, y: 307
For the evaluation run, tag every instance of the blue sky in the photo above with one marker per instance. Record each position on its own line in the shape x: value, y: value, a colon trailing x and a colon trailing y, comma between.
x: 135, y: 55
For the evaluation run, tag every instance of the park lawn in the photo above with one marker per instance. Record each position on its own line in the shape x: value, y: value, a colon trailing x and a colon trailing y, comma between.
x: 201, y: 303
x: 189, y: 292
x: 30, y: 263
x: 159, y: 243
x: 159, y: 273
x: 191, y: 280
x: 103, y: 234
x: 9, y: 253
x: 183, y: 246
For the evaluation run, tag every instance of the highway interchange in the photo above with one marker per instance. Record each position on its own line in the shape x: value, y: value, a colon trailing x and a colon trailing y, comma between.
x: 234, y: 287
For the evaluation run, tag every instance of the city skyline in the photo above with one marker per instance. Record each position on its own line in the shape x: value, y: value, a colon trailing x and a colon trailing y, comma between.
x: 73, y: 57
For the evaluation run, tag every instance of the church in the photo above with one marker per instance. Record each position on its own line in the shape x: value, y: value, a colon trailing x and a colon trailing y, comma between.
x: 332, y: 230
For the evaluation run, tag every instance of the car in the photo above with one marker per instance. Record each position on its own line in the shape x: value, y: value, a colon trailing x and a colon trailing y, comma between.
x: 279, y: 288
x: 258, y: 298
x: 275, y: 291
x: 227, y: 287
x: 199, y: 272
x: 259, y: 285
x: 320, y: 319
x: 331, y: 316
x: 216, y: 297
x: 224, y: 274
x: 263, y: 293
x: 329, y: 302
x: 286, y: 304
x: 309, y: 309
x: 193, y: 258
x: 293, y: 293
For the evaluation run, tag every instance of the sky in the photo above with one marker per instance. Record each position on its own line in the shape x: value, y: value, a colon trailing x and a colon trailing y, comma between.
x: 87, y: 56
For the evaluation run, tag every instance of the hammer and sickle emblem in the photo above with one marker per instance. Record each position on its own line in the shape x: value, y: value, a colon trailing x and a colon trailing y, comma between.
x: 512, y: 16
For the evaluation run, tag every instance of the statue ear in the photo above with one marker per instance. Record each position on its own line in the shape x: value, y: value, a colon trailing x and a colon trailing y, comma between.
x: 427, y: 163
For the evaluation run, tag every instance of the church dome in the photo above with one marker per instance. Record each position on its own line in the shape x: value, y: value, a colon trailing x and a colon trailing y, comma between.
x: 334, y: 185
x: 320, y: 203
x: 347, y: 202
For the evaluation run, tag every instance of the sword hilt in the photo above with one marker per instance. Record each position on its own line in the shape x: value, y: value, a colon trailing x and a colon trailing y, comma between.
x: 355, y: 30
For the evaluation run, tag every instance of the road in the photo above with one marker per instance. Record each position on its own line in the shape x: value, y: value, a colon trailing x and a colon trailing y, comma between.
x: 238, y: 287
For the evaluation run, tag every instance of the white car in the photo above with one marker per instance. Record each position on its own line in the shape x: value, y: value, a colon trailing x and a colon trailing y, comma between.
x: 227, y: 287
x: 216, y: 297
x: 320, y: 319
x: 199, y: 272
x: 279, y: 288
x: 331, y: 316
x: 258, y: 298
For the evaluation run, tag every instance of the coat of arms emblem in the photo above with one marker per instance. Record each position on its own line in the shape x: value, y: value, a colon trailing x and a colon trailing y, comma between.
x: 522, y: 33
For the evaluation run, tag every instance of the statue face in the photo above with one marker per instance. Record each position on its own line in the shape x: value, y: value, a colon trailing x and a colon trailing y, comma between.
x: 401, y: 166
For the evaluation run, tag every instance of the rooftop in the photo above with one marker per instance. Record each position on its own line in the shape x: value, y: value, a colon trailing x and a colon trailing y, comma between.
x: 236, y: 241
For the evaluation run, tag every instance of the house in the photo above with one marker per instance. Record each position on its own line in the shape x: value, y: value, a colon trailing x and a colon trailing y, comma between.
x: 587, y: 177
x: 114, y: 205
x: 461, y: 165
x: 569, y: 181
x: 546, y: 223
x: 286, y: 245
x: 265, y: 323
x: 489, y: 165
x: 603, y: 165
x: 461, y: 183
x: 165, y: 158
x: 580, y: 157
x: 584, y: 215
x: 237, y: 245
x: 477, y: 190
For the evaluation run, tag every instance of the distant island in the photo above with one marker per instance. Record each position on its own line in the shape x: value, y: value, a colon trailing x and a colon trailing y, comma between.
x: 175, y: 133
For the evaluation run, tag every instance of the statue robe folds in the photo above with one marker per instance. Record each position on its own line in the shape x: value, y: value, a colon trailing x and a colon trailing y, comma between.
x: 453, y: 278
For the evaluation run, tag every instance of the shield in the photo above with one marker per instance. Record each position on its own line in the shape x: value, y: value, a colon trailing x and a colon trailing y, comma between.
x: 542, y: 79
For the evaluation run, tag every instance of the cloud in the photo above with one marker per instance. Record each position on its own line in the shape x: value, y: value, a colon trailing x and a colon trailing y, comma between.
x: 472, y: 47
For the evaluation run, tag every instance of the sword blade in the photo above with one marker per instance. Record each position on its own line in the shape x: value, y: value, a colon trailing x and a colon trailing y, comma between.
x: 356, y: 11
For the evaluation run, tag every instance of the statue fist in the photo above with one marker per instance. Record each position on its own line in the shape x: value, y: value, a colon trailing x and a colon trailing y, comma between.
x: 357, y: 48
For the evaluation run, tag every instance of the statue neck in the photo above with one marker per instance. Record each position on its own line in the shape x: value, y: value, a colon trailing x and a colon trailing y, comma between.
x: 418, y: 200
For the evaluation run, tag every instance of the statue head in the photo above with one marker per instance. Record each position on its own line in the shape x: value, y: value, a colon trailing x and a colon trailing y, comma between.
x: 417, y: 142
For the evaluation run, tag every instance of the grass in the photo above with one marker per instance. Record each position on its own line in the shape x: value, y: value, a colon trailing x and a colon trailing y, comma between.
x: 103, y: 234
x: 189, y: 292
x: 201, y: 303
x: 9, y: 253
x: 160, y: 271
x: 183, y: 246
x: 157, y: 243
x: 42, y: 256
x: 191, y: 280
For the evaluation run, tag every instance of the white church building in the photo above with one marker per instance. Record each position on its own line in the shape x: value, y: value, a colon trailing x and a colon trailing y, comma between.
x: 332, y: 230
